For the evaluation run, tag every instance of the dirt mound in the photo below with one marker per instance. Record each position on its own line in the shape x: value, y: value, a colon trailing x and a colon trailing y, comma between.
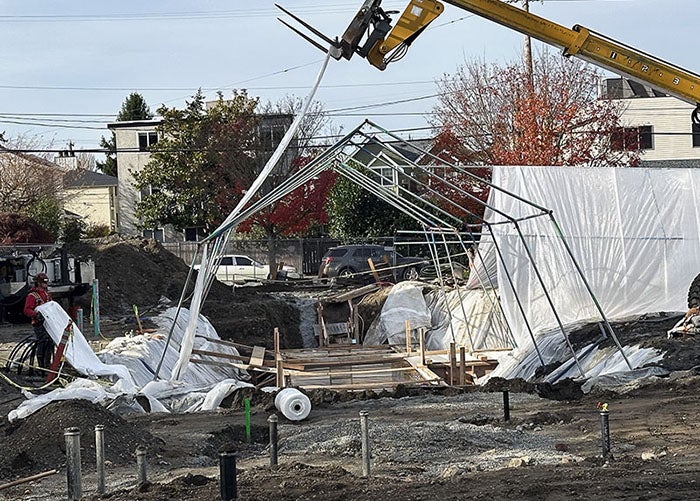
x: 137, y: 271
x: 37, y: 443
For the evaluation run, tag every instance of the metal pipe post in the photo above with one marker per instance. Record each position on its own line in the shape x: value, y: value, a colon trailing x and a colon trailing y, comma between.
x: 100, y: 457
x: 364, y: 431
x: 506, y: 406
x: 96, y: 306
x: 141, y: 465
x: 79, y: 319
x: 605, y: 432
x: 273, y: 439
x: 227, y: 476
x: 73, y: 473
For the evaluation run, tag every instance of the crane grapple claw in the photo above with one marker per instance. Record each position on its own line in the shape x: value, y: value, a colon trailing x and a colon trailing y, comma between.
x: 333, y: 45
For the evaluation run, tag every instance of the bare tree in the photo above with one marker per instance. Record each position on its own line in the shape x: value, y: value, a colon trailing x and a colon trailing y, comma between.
x: 31, y: 184
x: 492, y: 115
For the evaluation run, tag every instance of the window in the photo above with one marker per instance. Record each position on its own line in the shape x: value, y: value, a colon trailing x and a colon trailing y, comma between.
x: 148, y: 191
x: 271, y: 135
x: 156, y: 234
x: 384, y: 175
x: 696, y: 135
x: 632, y: 138
x: 226, y: 261
x: 244, y: 261
x: 336, y: 252
x: 146, y: 140
x: 192, y: 234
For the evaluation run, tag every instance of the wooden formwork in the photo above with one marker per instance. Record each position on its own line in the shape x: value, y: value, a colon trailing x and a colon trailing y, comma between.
x: 351, y: 366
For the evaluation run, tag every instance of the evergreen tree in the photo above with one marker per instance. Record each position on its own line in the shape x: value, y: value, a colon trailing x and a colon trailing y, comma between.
x: 134, y: 107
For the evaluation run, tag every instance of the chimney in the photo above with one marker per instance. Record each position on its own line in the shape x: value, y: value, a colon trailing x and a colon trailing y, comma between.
x: 67, y: 158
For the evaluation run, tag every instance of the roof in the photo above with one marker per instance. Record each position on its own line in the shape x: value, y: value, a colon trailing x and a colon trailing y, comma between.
x: 33, y: 159
x: 134, y: 123
x: 691, y: 163
x: 80, y: 178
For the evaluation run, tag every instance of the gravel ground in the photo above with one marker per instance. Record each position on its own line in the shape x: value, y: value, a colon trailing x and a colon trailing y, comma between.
x: 405, y: 437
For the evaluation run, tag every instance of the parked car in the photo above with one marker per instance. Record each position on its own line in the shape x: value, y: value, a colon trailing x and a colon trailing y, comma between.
x: 238, y: 268
x: 347, y: 261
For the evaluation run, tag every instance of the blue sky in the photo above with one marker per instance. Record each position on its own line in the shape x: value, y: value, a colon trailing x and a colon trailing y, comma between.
x: 69, y: 64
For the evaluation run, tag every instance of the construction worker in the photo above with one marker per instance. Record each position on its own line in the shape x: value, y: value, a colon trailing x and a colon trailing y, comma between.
x: 38, y: 295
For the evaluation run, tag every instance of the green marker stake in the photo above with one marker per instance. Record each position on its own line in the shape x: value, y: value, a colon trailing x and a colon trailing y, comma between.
x: 247, y: 419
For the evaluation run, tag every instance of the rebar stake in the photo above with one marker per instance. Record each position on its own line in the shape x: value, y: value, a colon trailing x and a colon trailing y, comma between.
x: 506, y: 406
x: 73, y: 473
x: 227, y: 476
x: 100, y: 457
x: 364, y: 430
x: 273, y: 439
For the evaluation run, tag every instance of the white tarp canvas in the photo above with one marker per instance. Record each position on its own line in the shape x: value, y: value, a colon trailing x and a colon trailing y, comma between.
x: 634, y: 232
x: 132, y: 360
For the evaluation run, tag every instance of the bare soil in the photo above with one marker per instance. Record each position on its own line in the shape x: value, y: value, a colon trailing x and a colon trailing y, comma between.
x: 447, y: 443
x: 450, y: 445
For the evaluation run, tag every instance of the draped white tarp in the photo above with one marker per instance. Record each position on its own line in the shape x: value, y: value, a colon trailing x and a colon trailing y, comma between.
x: 635, y: 233
x: 211, y: 257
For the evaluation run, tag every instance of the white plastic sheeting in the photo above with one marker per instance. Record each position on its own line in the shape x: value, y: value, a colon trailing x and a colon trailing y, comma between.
x: 77, y: 351
x: 404, y: 302
x: 223, y: 232
x: 635, y: 233
x: 141, y: 353
x: 132, y: 360
x: 467, y: 317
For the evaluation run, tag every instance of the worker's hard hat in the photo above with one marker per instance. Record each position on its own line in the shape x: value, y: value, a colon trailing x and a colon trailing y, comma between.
x: 41, y: 278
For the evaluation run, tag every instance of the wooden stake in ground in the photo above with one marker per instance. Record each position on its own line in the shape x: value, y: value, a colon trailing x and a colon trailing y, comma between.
x: 28, y: 479
x: 408, y: 336
x: 462, y: 365
x: 278, y: 360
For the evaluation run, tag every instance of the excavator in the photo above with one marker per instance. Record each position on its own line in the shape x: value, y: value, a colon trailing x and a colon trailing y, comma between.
x: 371, y: 35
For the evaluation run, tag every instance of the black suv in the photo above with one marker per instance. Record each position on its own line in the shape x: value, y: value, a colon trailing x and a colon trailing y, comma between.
x: 348, y: 260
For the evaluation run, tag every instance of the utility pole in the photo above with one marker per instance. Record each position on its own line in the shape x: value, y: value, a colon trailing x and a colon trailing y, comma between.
x: 527, y: 50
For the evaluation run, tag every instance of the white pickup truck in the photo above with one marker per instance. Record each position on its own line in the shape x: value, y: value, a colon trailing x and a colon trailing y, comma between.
x: 238, y: 269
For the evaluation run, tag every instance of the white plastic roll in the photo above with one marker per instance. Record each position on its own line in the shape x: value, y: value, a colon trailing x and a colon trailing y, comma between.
x: 293, y: 404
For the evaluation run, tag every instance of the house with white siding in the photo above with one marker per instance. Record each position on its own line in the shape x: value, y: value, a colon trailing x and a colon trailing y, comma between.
x: 661, y: 125
x: 133, y: 140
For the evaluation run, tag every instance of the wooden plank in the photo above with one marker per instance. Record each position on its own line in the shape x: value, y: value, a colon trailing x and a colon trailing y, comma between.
x: 276, y: 341
x: 408, y: 336
x: 343, y: 362
x: 221, y: 355
x: 257, y: 358
x: 352, y: 373
x: 235, y: 365
x: 462, y: 365
x: 373, y: 269
x: 453, y: 363
x: 346, y: 296
x: 363, y: 386
x: 421, y: 341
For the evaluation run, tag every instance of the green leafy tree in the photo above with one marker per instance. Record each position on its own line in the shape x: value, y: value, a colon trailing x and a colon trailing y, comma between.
x: 134, y: 107
x: 204, y: 160
x: 208, y: 155
x: 355, y: 213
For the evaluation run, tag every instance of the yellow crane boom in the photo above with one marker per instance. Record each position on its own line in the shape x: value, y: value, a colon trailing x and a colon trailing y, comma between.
x: 385, y: 44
